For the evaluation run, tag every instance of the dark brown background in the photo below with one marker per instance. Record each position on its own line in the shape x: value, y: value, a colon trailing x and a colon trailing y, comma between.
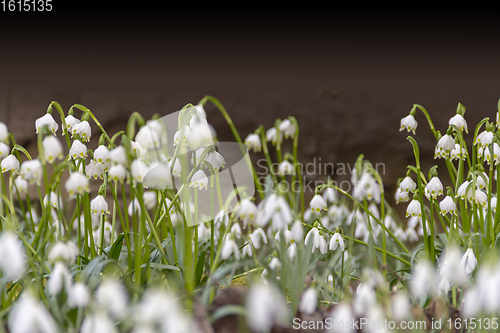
x: 260, y: 68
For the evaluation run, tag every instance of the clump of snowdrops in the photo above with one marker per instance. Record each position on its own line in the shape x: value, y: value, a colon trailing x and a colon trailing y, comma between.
x: 113, y: 237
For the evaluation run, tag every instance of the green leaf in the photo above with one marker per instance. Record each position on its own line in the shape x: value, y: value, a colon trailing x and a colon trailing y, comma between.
x: 116, y: 248
x: 161, y: 266
x: 199, y: 267
x: 227, y: 311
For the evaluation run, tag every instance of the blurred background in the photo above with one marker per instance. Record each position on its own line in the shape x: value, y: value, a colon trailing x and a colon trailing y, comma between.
x: 348, y: 77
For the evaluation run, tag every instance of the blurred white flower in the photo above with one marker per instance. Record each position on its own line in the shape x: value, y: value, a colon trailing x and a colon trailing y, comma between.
x: 216, y: 160
x: 297, y: 231
x: 46, y: 120
x: 484, y: 139
x: 30, y: 315
x: 469, y: 261
x: 22, y: 186
x: 77, y: 183
x: 70, y: 122
x: 59, y: 278
x: 97, y: 322
x: 444, y: 146
x: 318, y: 203
x: 229, y: 247
x: 257, y: 236
x: 66, y: 251
x: 458, y: 153
x: 276, y: 209
x: 118, y: 155
x: 10, y: 163
x: 434, y: 188
x: 117, y: 173
x: 342, y: 313
x: 53, y: 199
x: 31, y: 170
x: 266, y: 307
x: 4, y: 133
x: 318, y: 241
x: 78, y: 295
x: 77, y: 150
x: 12, y: 255
x: 366, y: 187
x: 252, y: 141
x: 452, y: 268
x: 148, y: 136
x: 308, y: 301
x: 4, y: 151
x: 424, y: 280
x: 112, y: 296
x: 285, y: 168
x: 134, y: 207
x: 401, y: 196
x: 287, y: 128
x: 409, y: 123
x: 101, y: 155
x: 95, y: 170
x: 99, y: 206
x: 400, y: 307
x: 272, y: 135
x: 138, y: 169
x: 199, y: 180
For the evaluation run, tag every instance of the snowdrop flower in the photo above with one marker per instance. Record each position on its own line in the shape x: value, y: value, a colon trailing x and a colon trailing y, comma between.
x: 138, y: 170
x: 52, y: 148
x: 12, y: 255
x: 99, y: 206
x: 424, y: 280
x: 400, y: 234
x: 95, y: 170
x: 342, y: 313
x: 484, y: 139
x: 53, y: 199
x: 77, y: 183
x: 318, y: 241
x: 134, y: 207
x: 275, y: 263
x: 247, y: 211
x: 112, y: 296
x: 275, y: 208
x: 481, y: 182
x: 459, y: 121
x: 257, y: 236
x: 97, y: 322
x: 65, y: 251
x: 336, y: 241
x: 236, y: 230
x: 22, y: 186
x: 182, y: 136
x: 230, y: 247
x: 414, y: 209
x: 318, y: 203
x: 46, y: 120
x: 434, y: 188
x: 469, y: 261
x: 366, y: 187
x: 117, y: 173
x: 409, y: 123
x: 83, y: 130
x: 452, y: 268
x: 78, y: 296
x: 496, y: 154
x: 118, y: 155
x: 4, y: 150
x: 480, y: 197
x: 461, y: 192
x: 252, y: 141
x: 77, y: 150
x: 330, y: 195
x: 444, y: 146
x: 308, y: 301
x: 29, y: 315
x: 4, y: 133
x: 266, y: 307
x: 447, y: 205
x: 148, y: 136
x: 199, y: 180
x: 272, y: 135
x: 59, y: 278
x: 101, y: 155
x: 401, y: 196
x: 150, y: 199
x: 285, y: 168
x: 408, y: 185
x: 70, y: 122
x: 458, y: 153
x: 411, y: 235
x: 10, y: 163
x: 158, y: 177
x: 292, y: 251
x: 31, y: 170
x: 108, y: 229
x: 365, y: 298
x: 200, y: 135
x: 297, y: 231
x: 216, y: 161
x: 287, y: 128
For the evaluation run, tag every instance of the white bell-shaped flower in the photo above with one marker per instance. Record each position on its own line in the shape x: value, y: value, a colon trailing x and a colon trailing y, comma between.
x: 287, y: 128
x: 4, y: 133
x: 247, y: 211
x: 216, y: 160
x: 95, y: 170
x: 31, y: 170
x: 252, y: 141
x: 308, y: 301
x: 134, y: 207
x: 77, y: 150
x: 99, y: 206
x: 21, y: 185
x: 266, y: 307
x: 229, y: 247
x: 112, y: 296
x: 83, y: 129
x: 138, y: 170
x: 496, y: 154
x: 199, y: 180
x: 434, y: 187
x: 484, y: 139
x: 407, y: 184
x: 318, y: 203
x: 285, y: 168
x: 409, y: 123
x: 70, y: 122
x: 480, y: 198
x: 414, y: 209
x: 101, y: 155
x: 4, y: 151
x: 331, y: 195
x: 30, y: 315
x: 297, y: 231
x: 118, y: 155
x: 276, y: 209
x: 272, y: 135
x: 458, y: 153
x: 469, y: 261
x: 77, y: 183
x: 117, y: 173
x: 10, y: 163
x: 59, y: 279
x: 158, y: 177
x: 462, y: 189
x: 401, y: 196
x: 52, y: 199
x: 335, y: 241
x: 13, y: 258
x: 46, y: 120
x: 78, y: 296
x: 52, y: 149
x: 65, y: 251
x: 444, y: 146
x: 459, y: 121
x: 149, y: 137
x: 448, y: 206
